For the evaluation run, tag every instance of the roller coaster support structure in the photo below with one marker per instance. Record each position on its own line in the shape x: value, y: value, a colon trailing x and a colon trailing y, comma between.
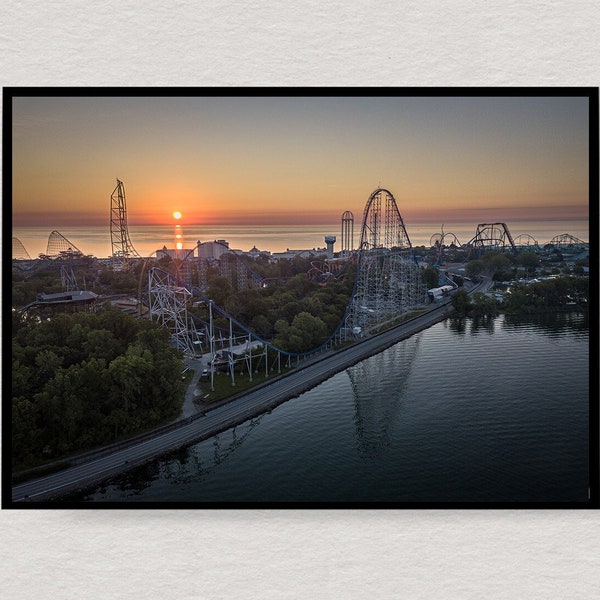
x: 491, y: 236
x: 122, y: 248
x: 389, y: 282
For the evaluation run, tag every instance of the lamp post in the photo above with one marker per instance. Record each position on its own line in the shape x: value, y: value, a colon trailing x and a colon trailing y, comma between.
x: 212, y: 346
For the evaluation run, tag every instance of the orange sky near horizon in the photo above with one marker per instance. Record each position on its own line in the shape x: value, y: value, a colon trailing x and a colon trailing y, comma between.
x: 276, y: 160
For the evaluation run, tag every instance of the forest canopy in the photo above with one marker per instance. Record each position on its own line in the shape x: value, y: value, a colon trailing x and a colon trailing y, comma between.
x: 82, y: 380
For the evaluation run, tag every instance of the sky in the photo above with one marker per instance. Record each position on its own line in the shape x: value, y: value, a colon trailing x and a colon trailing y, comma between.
x: 307, y: 159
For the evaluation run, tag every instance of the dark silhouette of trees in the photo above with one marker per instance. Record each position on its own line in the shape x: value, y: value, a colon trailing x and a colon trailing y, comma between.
x: 461, y: 302
x: 549, y: 294
x: 82, y: 380
x: 431, y: 277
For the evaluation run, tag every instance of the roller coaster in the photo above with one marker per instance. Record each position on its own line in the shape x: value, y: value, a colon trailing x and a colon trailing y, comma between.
x: 388, y: 284
x: 490, y: 236
x: 60, y: 247
x: 18, y: 250
x: 324, y: 271
x: 442, y: 242
x: 388, y: 281
x: 60, y: 252
x: 526, y: 242
x: 122, y: 248
x: 566, y: 241
x: 57, y: 247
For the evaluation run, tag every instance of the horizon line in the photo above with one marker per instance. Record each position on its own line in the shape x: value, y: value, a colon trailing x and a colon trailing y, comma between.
x: 504, y: 214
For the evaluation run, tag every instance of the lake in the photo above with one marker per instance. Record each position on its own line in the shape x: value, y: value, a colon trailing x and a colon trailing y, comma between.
x: 472, y: 410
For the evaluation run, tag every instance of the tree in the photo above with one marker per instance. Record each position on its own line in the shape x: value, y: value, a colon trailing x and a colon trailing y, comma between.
x: 500, y: 267
x: 305, y: 333
x: 130, y: 372
x: 25, y: 433
x: 22, y: 379
x: 474, y: 268
x: 102, y: 344
x: 81, y: 379
x: 47, y: 363
x: 484, y: 304
x: 261, y: 326
x: 461, y: 302
x: 431, y: 277
x: 529, y: 260
x: 578, y: 269
x: 219, y: 289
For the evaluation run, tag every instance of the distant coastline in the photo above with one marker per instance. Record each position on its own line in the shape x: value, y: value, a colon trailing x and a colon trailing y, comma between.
x: 275, y: 238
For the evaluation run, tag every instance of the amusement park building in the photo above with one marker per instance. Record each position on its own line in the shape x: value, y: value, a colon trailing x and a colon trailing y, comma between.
x: 290, y: 254
x: 172, y: 252
x: 212, y: 249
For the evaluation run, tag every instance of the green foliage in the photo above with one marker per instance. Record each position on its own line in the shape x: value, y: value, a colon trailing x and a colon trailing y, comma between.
x: 82, y: 380
x: 496, y: 265
x: 88, y: 273
x: 461, y: 302
x: 482, y: 304
x: 474, y: 268
x: 219, y: 289
x: 500, y: 267
x: 431, y: 277
x: 550, y: 294
x: 529, y: 260
x: 305, y: 333
x: 578, y: 269
x: 282, y: 300
x: 547, y: 294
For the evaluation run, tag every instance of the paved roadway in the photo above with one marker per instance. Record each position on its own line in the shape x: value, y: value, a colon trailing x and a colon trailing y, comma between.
x: 225, y: 416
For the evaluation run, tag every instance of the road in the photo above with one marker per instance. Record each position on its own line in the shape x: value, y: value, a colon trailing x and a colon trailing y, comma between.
x: 252, y: 404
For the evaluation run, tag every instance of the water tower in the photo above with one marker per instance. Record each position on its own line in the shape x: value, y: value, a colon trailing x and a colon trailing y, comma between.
x: 330, y: 241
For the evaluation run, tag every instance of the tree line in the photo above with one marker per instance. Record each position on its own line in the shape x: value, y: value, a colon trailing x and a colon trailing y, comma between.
x: 550, y: 294
x: 83, y: 380
x: 293, y: 312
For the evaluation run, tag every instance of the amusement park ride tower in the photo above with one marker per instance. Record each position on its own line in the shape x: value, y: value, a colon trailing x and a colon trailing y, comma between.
x: 122, y: 248
x: 389, y: 281
x: 347, y: 233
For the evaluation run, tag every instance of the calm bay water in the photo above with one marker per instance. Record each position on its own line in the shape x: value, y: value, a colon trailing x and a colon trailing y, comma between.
x: 274, y: 238
x: 469, y: 410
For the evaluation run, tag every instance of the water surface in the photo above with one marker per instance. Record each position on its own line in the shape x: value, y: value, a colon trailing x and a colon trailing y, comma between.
x: 470, y: 410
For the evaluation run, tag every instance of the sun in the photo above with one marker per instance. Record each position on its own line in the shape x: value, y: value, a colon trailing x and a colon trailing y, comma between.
x: 177, y: 215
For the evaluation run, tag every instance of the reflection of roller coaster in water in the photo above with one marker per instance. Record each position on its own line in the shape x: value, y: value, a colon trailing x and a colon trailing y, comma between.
x: 375, y: 418
x: 388, y: 284
x: 194, y: 462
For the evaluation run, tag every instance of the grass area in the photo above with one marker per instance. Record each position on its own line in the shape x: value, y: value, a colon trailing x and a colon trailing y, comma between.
x: 398, y: 321
x: 225, y: 389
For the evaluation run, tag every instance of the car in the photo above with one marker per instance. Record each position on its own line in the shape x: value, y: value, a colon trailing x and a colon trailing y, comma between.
x: 204, y: 375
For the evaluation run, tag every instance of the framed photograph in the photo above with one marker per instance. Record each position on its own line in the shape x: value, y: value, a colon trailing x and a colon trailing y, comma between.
x: 301, y: 298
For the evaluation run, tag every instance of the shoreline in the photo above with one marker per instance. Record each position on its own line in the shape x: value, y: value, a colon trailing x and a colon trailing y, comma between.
x: 193, y: 409
x: 191, y: 430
